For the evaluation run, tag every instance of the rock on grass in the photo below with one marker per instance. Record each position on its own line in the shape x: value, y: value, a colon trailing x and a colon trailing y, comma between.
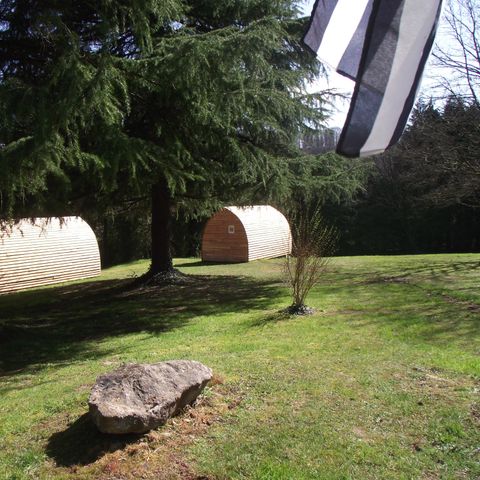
x: 137, y: 398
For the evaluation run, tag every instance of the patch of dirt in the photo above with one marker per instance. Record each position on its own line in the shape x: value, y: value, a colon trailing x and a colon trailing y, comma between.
x: 85, y: 387
x: 299, y: 310
x: 430, y: 476
x: 473, y: 307
x: 172, y: 277
x: 386, y: 279
x: 475, y: 411
x: 157, y: 455
x: 361, y: 434
x: 417, y: 445
x: 435, y: 384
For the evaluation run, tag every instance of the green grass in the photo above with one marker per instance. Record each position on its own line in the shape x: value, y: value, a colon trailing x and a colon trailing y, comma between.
x: 382, y: 382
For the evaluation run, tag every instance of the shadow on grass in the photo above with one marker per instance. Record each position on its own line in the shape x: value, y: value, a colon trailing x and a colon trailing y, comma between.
x: 271, y: 318
x: 201, y: 263
x: 417, y: 312
x: 65, y: 324
x: 431, y: 271
x: 81, y: 443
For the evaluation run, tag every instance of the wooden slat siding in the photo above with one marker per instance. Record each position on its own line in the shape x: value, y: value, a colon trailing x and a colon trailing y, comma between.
x: 268, y: 231
x: 47, y: 252
x: 266, y: 235
x: 220, y: 246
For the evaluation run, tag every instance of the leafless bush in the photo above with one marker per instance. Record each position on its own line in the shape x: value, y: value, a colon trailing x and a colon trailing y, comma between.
x: 313, y: 244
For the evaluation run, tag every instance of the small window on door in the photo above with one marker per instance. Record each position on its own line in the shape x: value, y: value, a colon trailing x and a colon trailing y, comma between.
x: 231, y: 229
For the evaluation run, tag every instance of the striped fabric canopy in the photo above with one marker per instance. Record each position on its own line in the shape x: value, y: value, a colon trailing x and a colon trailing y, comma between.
x: 383, y: 46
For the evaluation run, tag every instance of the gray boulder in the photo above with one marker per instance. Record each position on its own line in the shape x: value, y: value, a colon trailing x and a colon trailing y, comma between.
x: 136, y: 398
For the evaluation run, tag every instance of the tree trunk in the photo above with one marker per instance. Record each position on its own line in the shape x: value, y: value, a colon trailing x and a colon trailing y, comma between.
x: 161, y: 228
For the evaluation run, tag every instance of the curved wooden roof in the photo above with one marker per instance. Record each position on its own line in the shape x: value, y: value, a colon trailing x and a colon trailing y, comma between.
x: 46, y: 251
x: 255, y: 217
x: 266, y: 229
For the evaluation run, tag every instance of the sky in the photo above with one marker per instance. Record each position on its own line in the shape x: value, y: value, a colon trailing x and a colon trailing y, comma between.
x: 345, y: 85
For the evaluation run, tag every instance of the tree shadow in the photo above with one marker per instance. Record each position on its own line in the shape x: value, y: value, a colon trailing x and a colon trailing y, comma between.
x: 272, y: 318
x: 415, y: 311
x: 64, y: 324
x: 201, y: 263
x: 432, y: 271
x: 82, y: 443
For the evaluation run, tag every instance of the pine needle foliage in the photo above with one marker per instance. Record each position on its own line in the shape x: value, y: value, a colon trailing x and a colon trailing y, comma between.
x: 101, y: 102
x: 203, y: 93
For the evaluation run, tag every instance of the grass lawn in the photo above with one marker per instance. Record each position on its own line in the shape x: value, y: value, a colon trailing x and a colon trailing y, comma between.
x: 382, y: 382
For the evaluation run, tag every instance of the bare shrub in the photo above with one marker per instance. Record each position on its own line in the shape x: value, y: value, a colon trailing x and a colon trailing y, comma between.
x: 313, y: 243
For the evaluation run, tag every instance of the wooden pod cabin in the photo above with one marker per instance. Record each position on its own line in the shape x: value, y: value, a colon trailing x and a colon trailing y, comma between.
x: 47, y: 251
x: 241, y: 234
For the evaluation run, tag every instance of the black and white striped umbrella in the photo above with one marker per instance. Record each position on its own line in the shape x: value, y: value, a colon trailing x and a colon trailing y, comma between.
x: 383, y: 46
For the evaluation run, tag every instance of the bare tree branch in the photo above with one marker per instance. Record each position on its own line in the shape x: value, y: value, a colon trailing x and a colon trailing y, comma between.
x: 457, y: 53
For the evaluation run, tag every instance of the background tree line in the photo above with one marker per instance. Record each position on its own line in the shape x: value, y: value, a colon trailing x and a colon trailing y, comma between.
x: 424, y: 194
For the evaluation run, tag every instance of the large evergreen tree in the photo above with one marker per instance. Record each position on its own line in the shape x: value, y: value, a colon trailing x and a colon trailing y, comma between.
x: 195, y: 101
